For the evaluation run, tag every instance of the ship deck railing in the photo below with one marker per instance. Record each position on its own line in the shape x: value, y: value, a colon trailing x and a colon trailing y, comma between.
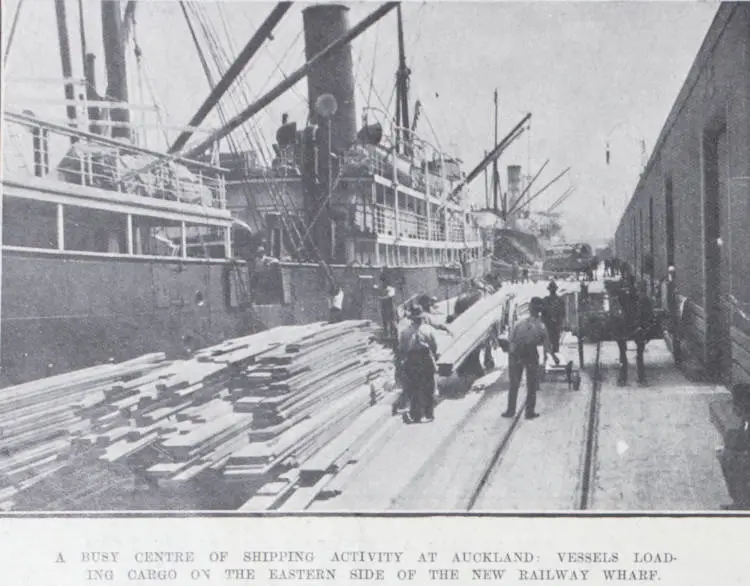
x: 410, y: 173
x: 384, y: 220
x: 36, y: 148
x: 418, y: 163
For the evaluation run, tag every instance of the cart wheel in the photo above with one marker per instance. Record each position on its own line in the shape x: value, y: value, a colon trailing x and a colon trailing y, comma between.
x: 580, y: 352
x: 577, y: 382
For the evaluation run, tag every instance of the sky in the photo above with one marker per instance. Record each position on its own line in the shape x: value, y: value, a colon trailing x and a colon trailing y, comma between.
x: 590, y: 73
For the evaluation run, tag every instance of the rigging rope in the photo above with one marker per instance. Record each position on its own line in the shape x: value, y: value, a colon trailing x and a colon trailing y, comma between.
x: 374, y: 60
x: 198, y: 47
x: 216, y: 49
x: 141, y: 76
x: 230, y: 140
x: 287, y: 219
x: 82, y: 25
x: 12, y: 33
x: 266, y: 49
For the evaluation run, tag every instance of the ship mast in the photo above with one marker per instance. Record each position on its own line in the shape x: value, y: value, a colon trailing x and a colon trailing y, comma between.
x: 495, y: 173
x: 67, y: 66
x: 402, y: 87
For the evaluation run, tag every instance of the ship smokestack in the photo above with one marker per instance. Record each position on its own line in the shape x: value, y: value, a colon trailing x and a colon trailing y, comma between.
x: 324, y: 24
x: 114, y: 56
x: 514, y: 184
x: 67, y: 68
x: 91, y: 93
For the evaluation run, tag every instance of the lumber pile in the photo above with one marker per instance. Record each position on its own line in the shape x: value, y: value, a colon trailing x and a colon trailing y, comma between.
x: 233, y: 411
x: 306, y: 395
x: 39, y: 418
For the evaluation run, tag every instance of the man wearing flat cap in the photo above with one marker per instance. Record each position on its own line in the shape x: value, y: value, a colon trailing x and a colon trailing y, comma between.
x: 417, y: 350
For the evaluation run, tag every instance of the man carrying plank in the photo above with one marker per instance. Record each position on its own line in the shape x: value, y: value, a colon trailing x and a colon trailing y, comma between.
x: 427, y: 304
x: 523, y: 355
x: 417, y: 353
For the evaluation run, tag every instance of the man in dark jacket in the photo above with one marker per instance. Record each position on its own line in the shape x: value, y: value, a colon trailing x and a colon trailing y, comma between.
x: 624, y: 325
x: 644, y: 323
x: 553, y: 317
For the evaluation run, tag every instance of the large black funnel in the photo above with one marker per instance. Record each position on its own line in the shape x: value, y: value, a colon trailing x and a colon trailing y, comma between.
x: 324, y: 24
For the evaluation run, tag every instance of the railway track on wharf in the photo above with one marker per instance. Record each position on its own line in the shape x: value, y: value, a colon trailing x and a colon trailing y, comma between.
x: 472, y: 459
x: 545, y: 467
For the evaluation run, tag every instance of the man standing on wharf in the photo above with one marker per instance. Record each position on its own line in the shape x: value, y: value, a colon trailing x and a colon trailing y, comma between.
x: 553, y: 317
x: 523, y: 355
x: 417, y: 352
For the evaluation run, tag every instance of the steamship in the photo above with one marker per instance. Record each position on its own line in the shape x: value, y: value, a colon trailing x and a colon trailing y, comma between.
x: 342, y: 203
x: 111, y: 250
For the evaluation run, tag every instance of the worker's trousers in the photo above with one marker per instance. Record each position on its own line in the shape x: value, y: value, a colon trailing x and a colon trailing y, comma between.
x: 419, y: 383
x: 518, y: 362
x: 336, y: 315
x: 388, y: 313
x: 640, y: 366
x: 553, y: 330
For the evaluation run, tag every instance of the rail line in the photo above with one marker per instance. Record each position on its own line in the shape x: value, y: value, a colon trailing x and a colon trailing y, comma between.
x: 587, y: 472
x: 589, y: 456
x: 496, y: 459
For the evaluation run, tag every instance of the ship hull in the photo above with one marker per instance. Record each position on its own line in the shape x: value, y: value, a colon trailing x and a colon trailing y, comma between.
x: 305, y: 289
x: 64, y: 312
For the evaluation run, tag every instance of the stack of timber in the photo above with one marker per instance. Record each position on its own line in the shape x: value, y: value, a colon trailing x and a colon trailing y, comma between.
x: 39, y: 418
x: 324, y: 472
x: 231, y: 411
x: 303, y: 397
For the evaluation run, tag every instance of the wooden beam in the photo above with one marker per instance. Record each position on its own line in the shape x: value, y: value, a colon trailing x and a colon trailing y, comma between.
x: 470, y: 331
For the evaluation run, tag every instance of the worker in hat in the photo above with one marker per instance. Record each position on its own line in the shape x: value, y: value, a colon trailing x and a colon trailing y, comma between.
x: 553, y: 317
x: 417, y: 353
x: 427, y: 304
x: 523, y: 354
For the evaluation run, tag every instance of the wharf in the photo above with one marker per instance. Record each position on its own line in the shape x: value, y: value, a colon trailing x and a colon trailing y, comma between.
x: 300, y: 419
x: 654, y: 448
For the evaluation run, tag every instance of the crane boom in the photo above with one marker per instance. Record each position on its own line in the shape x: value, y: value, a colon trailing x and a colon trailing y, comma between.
x: 247, y: 53
x: 273, y: 93
x: 538, y: 193
x: 517, y: 131
x: 560, y: 200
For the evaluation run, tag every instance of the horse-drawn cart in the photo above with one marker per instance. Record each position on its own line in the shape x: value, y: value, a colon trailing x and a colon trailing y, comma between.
x: 595, y: 313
